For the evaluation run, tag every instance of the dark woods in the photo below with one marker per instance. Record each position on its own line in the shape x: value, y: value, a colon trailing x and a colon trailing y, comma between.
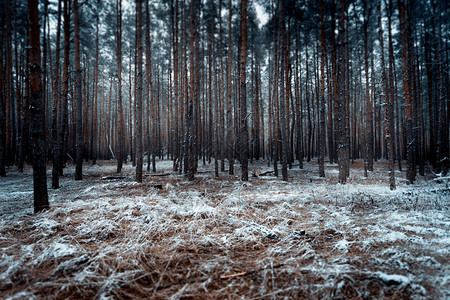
x: 231, y: 81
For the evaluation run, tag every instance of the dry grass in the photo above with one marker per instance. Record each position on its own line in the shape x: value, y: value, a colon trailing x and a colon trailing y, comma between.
x: 219, y: 238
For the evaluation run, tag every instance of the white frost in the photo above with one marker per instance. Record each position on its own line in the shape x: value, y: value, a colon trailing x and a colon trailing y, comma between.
x: 393, y: 278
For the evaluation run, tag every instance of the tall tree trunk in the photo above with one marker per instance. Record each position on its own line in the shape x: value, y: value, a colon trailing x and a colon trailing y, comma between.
x: 334, y: 75
x: 176, y: 137
x: 131, y: 107
x: 282, y: 100
x: 368, y: 159
x: 308, y: 108
x: 410, y: 172
x: 230, y: 125
x: 191, y: 123
x: 299, y: 106
x: 65, y: 87
x: 392, y: 81
x: 44, y: 66
x: 94, y: 136
x: 18, y: 76
x: 9, y: 113
x: 388, y: 105
x: 221, y: 143
x: 55, y: 89
x: 322, y: 132
x: 275, y: 105
x: 2, y: 122
x: 139, y: 90
x: 213, y: 134
x: 151, y: 146
x: 79, y: 96
x: 121, y: 119
x: 243, y: 92
x: 341, y: 74
x: 37, y: 112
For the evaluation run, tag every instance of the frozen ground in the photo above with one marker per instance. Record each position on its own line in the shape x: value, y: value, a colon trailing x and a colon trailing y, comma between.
x: 308, y: 238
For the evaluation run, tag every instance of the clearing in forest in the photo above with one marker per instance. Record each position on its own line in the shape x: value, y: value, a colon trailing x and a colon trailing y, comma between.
x: 220, y: 238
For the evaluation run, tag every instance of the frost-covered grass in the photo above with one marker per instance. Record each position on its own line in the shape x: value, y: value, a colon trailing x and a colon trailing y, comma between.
x: 221, y: 238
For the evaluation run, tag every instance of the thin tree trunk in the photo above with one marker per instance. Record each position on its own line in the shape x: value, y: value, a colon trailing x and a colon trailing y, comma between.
x: 65, y: 86
x: 139, y: 91
x: 299, y: 106
x: 410, y: 172
x: 388, y: 106
x: 368, y: 159
x: 243, y: 92
x: 37, y: 112
x: 55, y: 95
x: 131, y: 106
x: 94, y: 138
x: 191, y: 123
x: 2, y: 122
x: 322, y: 133
x: 151, y: 147
x: 9, y: 113
x: 341, y: 74
x: 121, y: 119
x: 230, y: 125
x: 221, y: 143
x: 176, y: 138
x: 282, y: 100
x: 79, y: 97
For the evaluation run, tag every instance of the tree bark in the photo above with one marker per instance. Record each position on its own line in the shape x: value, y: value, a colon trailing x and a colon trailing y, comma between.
x: 94, y: 135
x: 368, y: 159
x: 151, y: 146
x: 410, y: 171
x: 55, y: 103
x: 230, y: 125
x: 282, y: 100
x: 341, y: 84
x: 322, y: 133
x: 191, y: 123
x: 2, y: 122
x: 139, y: 90
x: 37, y: 112
x: 388, y: 106
x: 243, y: 92
x: 121, y: 119
x: 79, y: 96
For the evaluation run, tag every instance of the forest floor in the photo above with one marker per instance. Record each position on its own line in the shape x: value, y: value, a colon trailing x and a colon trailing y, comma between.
x: 220, y: 238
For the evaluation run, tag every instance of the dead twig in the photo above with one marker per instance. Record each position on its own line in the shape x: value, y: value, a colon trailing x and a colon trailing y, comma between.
x: 233, y: 275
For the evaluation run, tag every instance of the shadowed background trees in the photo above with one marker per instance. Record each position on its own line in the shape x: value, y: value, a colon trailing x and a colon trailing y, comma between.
x: 203, y: 80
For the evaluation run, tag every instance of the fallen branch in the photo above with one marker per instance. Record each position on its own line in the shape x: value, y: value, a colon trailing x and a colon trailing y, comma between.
x: 112, y: 177
x: 70, y: 156
x: 262, y: 174
x: 158, y: 175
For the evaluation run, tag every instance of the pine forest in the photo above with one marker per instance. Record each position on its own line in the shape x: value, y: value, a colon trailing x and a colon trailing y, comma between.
x: 224, y: 149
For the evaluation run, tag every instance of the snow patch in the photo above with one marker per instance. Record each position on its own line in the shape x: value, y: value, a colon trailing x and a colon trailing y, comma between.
x: 393, y: 279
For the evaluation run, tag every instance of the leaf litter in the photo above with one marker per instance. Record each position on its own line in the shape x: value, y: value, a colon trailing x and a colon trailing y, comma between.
x: 219, y: 238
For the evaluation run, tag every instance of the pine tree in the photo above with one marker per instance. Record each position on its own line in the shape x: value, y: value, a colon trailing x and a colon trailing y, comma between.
x: 243, y: 131
x: 55, y: 88
x: 121, y: 119
x: 411, y: 168
x: 322, y: 132
x: 37, y: 111
x: 79, y: 96
x: 388, y: 105
x: 341, y: 107
x: 139, y: 92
